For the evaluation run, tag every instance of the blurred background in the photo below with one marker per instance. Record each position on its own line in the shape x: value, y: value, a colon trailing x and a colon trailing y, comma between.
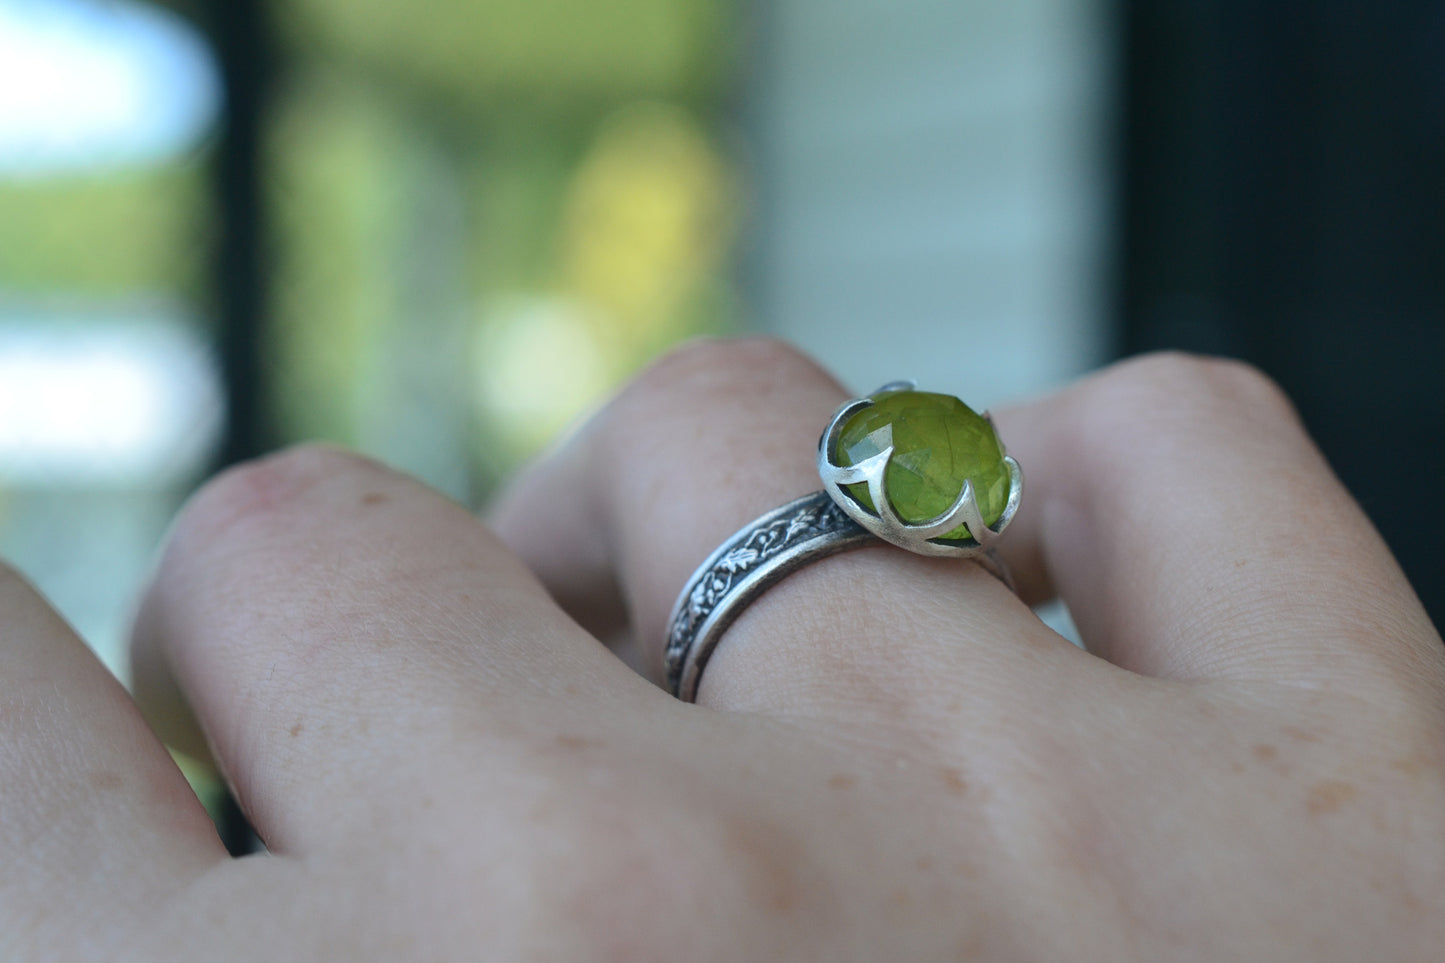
x: 441, y: 231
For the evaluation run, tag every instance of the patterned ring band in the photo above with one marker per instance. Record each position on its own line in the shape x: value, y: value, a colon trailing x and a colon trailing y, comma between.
x: 746, y: 565
x: 742, y: 568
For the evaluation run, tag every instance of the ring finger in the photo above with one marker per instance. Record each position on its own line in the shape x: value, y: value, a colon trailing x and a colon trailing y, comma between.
x: 710, y: 438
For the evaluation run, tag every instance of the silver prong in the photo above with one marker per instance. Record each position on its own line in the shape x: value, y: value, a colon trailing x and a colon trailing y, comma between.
x: 1015, y: 496
x: 878, y: 491
x: 903, y: 384
x: 963, y: 511
x: 864, y: 471
x: 829, y: 440
x: 981, y: 533
x: 833, y: 475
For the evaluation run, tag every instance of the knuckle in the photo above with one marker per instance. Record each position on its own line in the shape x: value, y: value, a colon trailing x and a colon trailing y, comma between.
x: 1218, y: 386
x: 15, y: 590
x: 712, y: 365
x: 262, y: 492
x: 10, y: 577
x: 1176, y: 394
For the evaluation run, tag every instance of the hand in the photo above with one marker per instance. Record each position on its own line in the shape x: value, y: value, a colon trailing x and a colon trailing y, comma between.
x: 891, y: 758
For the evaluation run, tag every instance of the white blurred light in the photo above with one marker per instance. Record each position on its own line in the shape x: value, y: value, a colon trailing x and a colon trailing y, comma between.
x: 111, y: 403
x: 540, y: 366
x: 92, y: 83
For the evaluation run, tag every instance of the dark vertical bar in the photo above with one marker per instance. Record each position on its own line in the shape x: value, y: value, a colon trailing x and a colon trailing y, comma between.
x: 1284, y: 202
x: 240, y: 37
x: 1172, y: 230
x: 243, y: 46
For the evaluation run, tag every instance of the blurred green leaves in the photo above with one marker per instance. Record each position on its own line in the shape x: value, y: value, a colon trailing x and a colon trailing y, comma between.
x: 594, y: 210
x: 334, y: 158
x: 104, y: 235
x: 489, y: 54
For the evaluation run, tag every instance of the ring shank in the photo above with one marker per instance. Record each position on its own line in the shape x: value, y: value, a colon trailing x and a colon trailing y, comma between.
x: 742, y: 568
x: 750, y: 562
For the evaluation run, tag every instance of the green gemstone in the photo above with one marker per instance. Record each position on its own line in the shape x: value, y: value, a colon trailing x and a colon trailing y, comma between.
x: 938, y: 442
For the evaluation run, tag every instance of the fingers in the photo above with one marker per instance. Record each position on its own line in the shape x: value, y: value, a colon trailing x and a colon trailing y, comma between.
x: 96, y: 822
x: 705, y: 442
x: 1180, y: 509
x: 347, y: 637
x: 1175, y: 503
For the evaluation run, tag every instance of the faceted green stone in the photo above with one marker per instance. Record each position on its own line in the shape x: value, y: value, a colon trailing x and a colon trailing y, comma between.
x: 938, y: 442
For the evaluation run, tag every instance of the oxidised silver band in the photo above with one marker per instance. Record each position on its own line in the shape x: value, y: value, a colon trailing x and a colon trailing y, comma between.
x: 743, y: 567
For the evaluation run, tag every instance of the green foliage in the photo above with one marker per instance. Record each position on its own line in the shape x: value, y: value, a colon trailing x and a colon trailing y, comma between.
x: 490, y: 54
x: 336, y: 161
x: 517, y: 188
x: 106, y: 234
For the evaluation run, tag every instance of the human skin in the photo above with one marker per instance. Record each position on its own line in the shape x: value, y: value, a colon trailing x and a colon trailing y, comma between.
x: 891, y: 758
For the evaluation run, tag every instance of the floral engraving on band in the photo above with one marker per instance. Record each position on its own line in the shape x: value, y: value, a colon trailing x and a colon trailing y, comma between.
x: 748, y: 550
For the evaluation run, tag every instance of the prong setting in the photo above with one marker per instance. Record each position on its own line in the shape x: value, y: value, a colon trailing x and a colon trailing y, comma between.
x: 924, y: 538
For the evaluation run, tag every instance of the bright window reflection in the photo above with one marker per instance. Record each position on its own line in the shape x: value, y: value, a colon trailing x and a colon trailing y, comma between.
x: 121, y: 404
x: 87, y: 84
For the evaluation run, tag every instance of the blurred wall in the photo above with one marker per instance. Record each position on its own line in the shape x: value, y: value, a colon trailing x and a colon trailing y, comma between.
x: 934, y: 188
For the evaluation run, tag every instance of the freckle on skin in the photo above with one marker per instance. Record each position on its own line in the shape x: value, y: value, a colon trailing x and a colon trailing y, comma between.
x: 296, y: 729
x: 842, y: 781
x: 1264, y: 752
x: 1410, y: 765
x: 1328, y: 796
x: 373, y: 498
x: 579, y: 742
x: 1303, y: 735
x: 772, y: 860
x: 955, y: 782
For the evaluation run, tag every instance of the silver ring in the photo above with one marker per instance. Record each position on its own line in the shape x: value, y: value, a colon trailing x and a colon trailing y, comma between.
x: 814, y: 527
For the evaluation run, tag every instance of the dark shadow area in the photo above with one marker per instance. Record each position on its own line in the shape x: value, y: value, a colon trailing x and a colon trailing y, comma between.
x: 241, y: 37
